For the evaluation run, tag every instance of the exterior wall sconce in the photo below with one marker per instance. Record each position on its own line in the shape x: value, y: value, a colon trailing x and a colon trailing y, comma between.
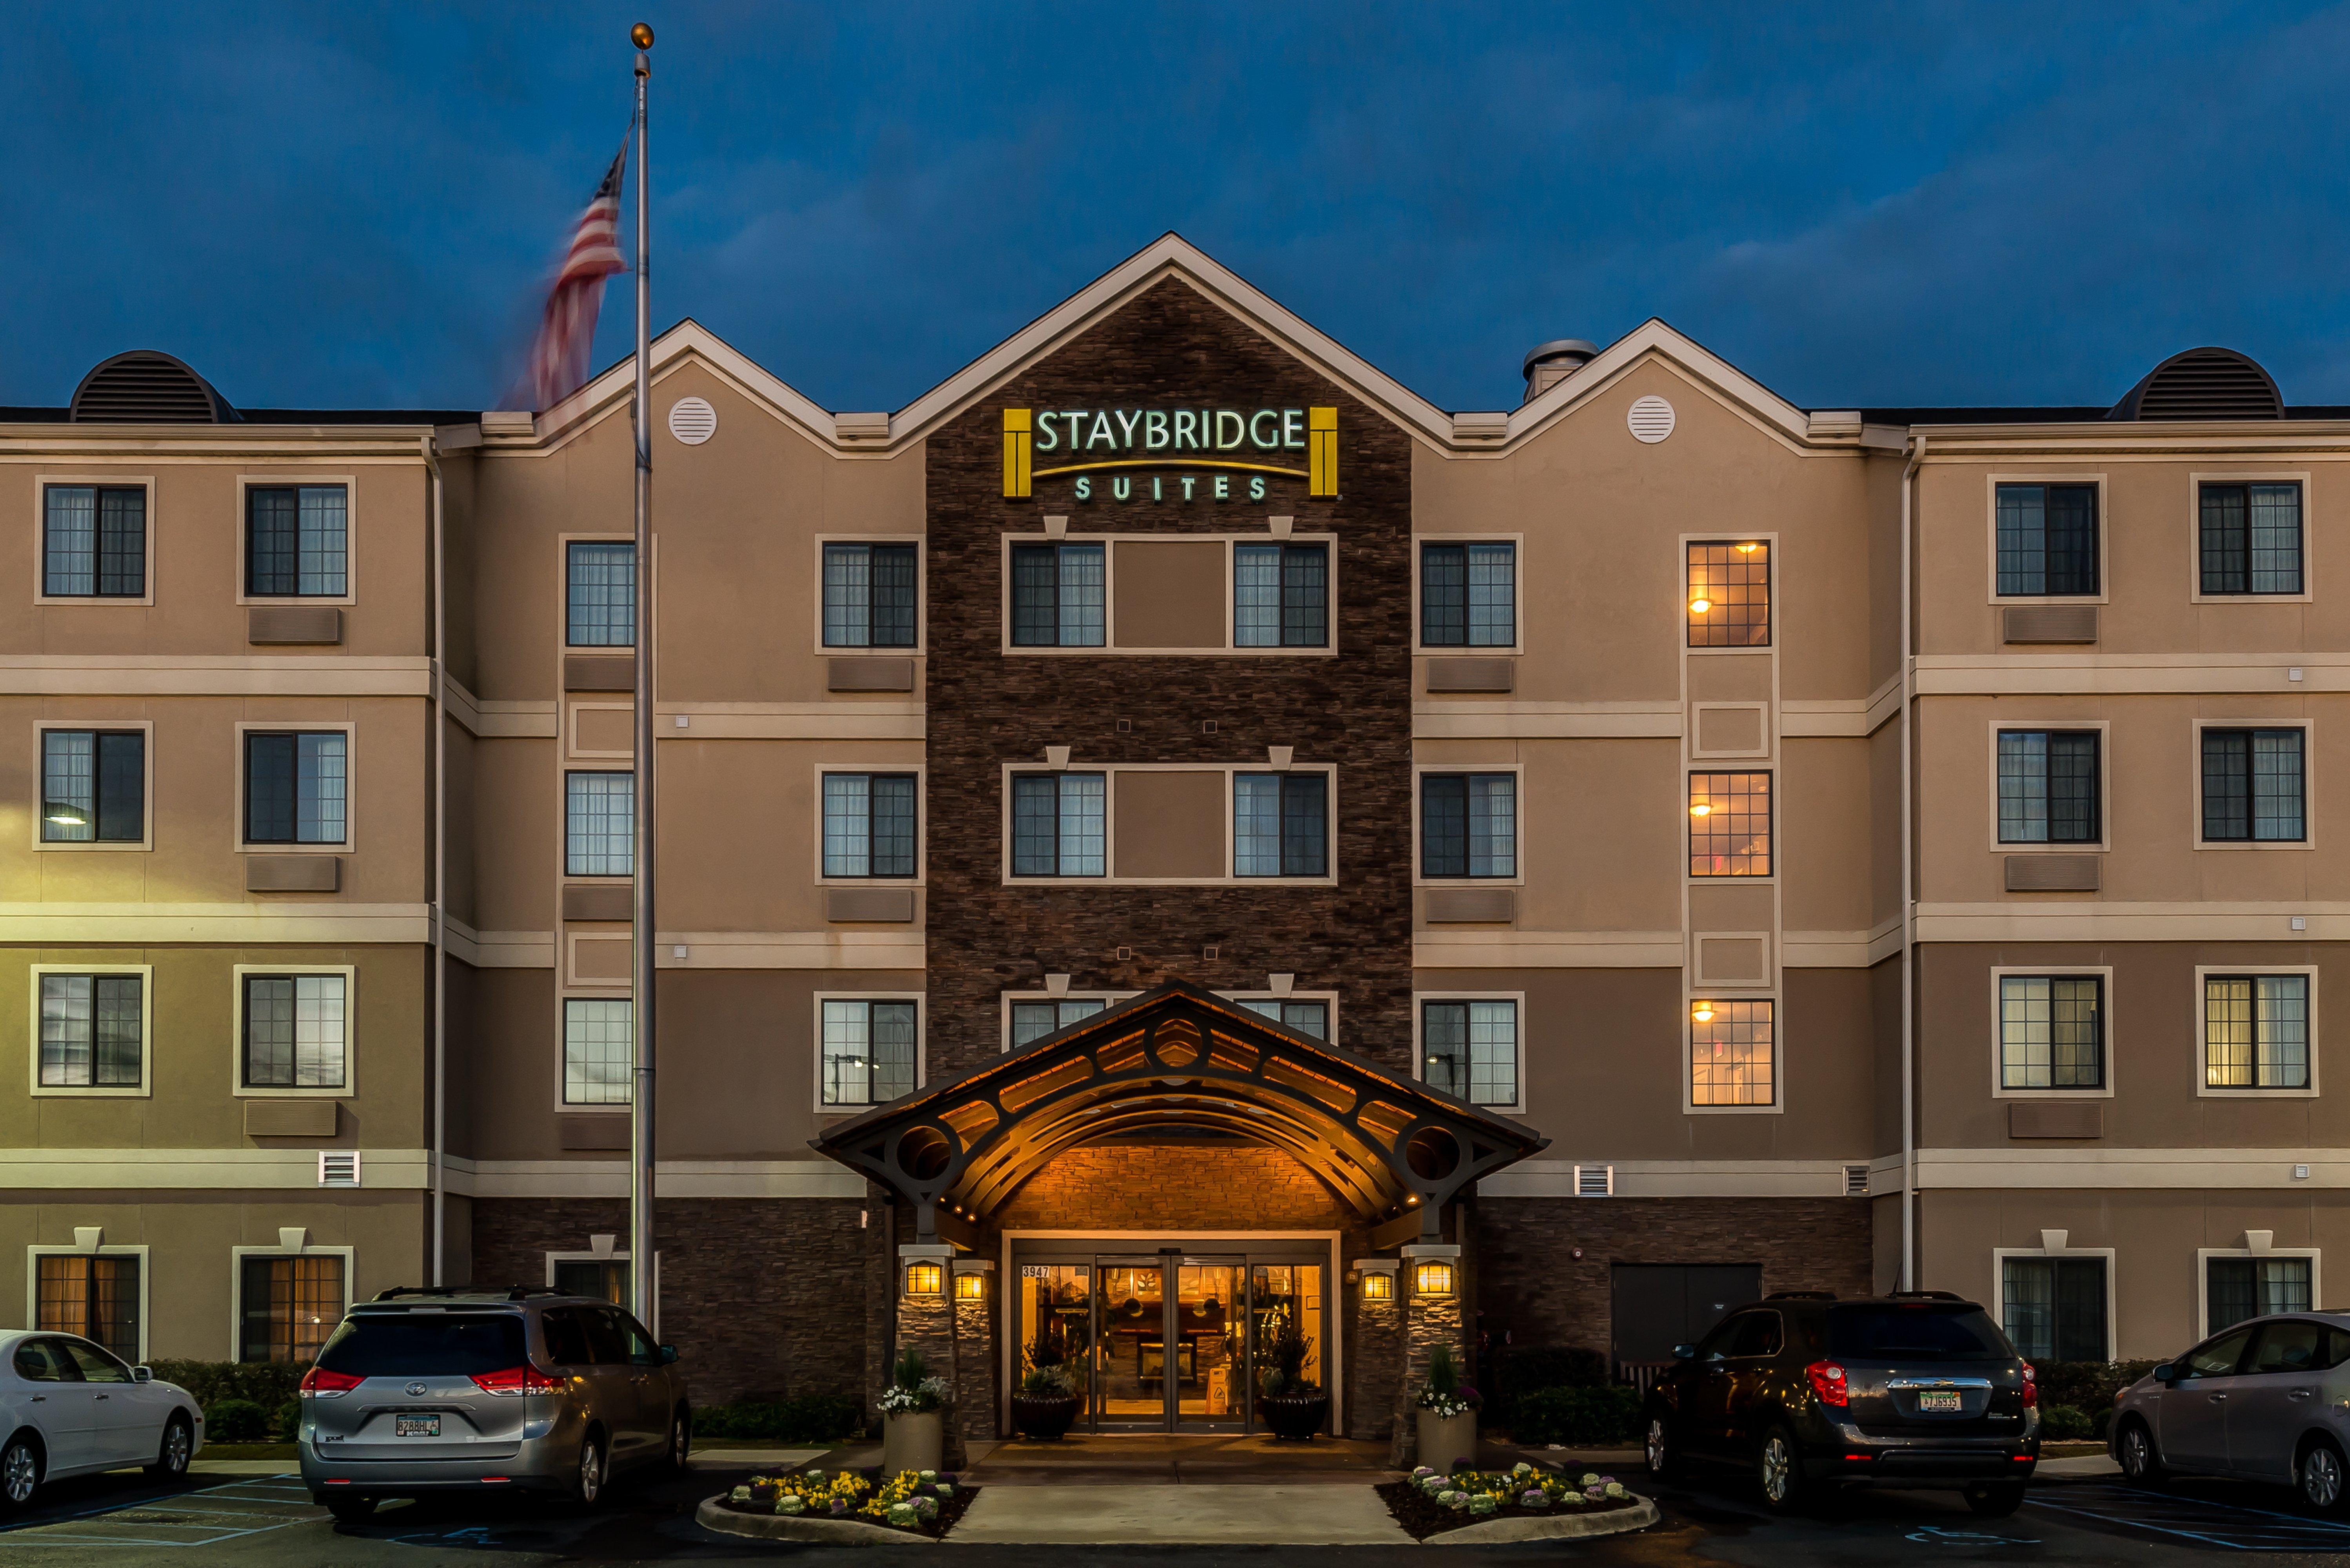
x: 925, y: 1279
x: 1378, y: 1287
x: 971, y: 1287
x: 1432, y: 1278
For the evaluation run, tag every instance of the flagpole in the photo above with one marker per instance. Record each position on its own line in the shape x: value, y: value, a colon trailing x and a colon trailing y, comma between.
x: 642, y: 1286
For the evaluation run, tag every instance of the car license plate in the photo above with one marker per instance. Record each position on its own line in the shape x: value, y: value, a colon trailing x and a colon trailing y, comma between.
x: 416, y: 1426
x: 1938, y: 1402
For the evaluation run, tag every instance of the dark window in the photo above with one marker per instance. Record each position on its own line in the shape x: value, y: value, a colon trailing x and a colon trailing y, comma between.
x: 290, y: 1308
x: 2253, y: 786
x: 600, y: 599
x: 45, y: 1361
x: 606, y: 1279
x: 1759, y: 1335
x: 2055, y: 1308
x: 871, y: 1049
x: 1280, y: 825
x: 1730, y: 595
x: 1925, y: 1331
x: 1034, y: 1020
x: 2292, y: 1348
x: 413, y: 1343
x: 1056, y: 596
x: 607, y: 1341
x: 93, y: 786
x: 94, y: 1296
x: 1280, y: 596
x: 564, y: 1331
x: 2051, y: 1032
x: 1469, y: 595
x: 1468, y: 825
x: 1469, y: 1050
x: 1312, y: 1018
x: 94, y: 542
x: 2221, y: 1357
x: 1730, y: 825
x: 2252, y: 538
x: 296, y: 786
x: 868, y: 825
x: 600, y: 824
x: 869, y: 593
x: 294, y: 542
x: 2242, y: 1288
x: 1058, y: 826
x: 2047, y: 540
x: 91, y: 1031
x: 297, y: 1031
x: 2048, y: 786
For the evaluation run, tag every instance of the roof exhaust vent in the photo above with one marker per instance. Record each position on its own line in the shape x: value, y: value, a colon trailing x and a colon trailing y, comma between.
x: 2203, y: 384
x: 1548, y: 363
x: 146, y: 388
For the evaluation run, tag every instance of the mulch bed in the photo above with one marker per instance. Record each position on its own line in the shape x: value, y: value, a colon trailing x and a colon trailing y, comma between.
x: 950, y: 1508
x: 1422, y: 1516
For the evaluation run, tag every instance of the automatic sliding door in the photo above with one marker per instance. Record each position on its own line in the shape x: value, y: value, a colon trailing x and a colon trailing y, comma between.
x: 1209, y: 1340
x: 1130, y: 1368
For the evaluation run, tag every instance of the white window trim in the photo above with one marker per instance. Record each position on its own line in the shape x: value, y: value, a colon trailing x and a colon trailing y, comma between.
x: 1109, y: 645
x: 1777, y: 1105
x: 1999, y: 1255
x: 2204, y: 1256
x: 2194, y: 483
x: 146, y: 1089
x: 2109, y: 1044
x: 1992, y: 481
x: 1329, y: 1001
x: 1517, y: 646
x: 1695, y: 765
x: 250, y: 482
x: 2203, y: 1088
x: 563, y: 829
x: 1518, y: 804
x: 351, y: 1085
x: 350, y: 731
x: 564, y: 1107
x: 1004, y: 1034
x: 816, y: 1047
x: 33, y: 1285
x: 563, y: 643
x: 1770, y: 542
x: 146, y: 727
x: 1420, y: 1000
x: 2308, y: 728
x: 921, y: 644
x: 41, y: 482
x: 921, y: 772
x: 237, y: 1255
x: 2105, y: 733
x: 1110, y: 877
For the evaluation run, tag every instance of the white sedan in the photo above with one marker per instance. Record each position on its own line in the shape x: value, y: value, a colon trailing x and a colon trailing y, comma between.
x: 71, y: 1408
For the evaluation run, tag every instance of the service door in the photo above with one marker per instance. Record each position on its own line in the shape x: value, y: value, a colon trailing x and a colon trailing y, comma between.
x: 1657, y: 1307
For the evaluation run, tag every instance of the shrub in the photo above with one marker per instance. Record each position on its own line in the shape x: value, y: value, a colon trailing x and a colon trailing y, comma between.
x: 236, y: 1421
x: 268, y: 1384
x: 1512, y: 1372
x: 2064, y: 1423
x: 2088, y: 1386
x: 811, y: 1418
x: 1578, y: 1417
x: 2101, y: 1424
x: 289, y: 1419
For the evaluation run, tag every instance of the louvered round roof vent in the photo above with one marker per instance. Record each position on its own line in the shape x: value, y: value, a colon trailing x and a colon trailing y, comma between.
x: 2203, y: 384
x: 146, y: 388
x: 1649, y: 419
x: 692, y: 421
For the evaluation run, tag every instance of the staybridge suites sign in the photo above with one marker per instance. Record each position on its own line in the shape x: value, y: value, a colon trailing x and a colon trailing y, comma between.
x: 1170, y: 454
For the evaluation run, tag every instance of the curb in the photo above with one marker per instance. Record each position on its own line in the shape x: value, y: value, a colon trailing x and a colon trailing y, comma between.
x: 1613, y: 1521
x: 714, y: 1515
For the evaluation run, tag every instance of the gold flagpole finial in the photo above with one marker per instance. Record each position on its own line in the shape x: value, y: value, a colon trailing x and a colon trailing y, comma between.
x: 642, y: 36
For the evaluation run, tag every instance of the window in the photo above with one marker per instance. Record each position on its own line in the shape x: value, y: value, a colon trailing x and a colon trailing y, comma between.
x: 2256, y: 1031
x: 2240, y: 1288
x: 606, y: 1279
x: 1310, y: 1018
x: 93, y: 786
x: 1468, y: 825
x: 598, y: 1051
x: 294, y: 542
x: 1033, y: 1021
x: 2253, y: 786
x: 600, y: 606
x: 288, y: 1306
x: 2055, y: 1308
x: 869, y: 1050
x: 93, y: 1031
x: 1730, y: 595
x: 96, y: 1296
x: 869, y: 593
x: 1469, y: 1050
x: 868, y: 825
x: 296, y: 1035
x: 2051, y: 1032
x: 94, y: 542
x: 2252, y: 538
x: 1732, y: 1053
x: 1280, y: 825
x: 1056, y: 596
x: 2047, y: 540
x: 296, y: 786
x: 1469, y: 596
x: 1730, y: 825
x: 1058, y: 825
x: 2298, y: 1348
x: 600, y: 824
x: 1280, y: 596
x: 2048, y: 787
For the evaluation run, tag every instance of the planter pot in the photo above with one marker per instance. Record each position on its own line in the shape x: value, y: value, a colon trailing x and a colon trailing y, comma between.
x: 1445, y: 1440
x: 913, y: 1442
x: 1296, y: 1416
x: 1044, y: 1417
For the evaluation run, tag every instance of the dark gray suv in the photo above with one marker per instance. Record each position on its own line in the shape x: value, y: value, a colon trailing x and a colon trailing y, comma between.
x: 433, y: 1390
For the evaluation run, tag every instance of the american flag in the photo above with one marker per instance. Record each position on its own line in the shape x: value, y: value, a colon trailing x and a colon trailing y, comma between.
x: 558, y: 360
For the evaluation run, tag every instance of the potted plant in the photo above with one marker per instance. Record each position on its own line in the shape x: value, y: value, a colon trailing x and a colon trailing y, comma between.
x: 1447, y: 1416
x: 1047, y: 1402
x: 913, y: 1417
x: 1291, y: 1404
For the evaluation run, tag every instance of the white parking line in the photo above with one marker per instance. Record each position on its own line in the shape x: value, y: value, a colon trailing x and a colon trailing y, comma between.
x: 2227, y: 1525
x: 207, y: 1516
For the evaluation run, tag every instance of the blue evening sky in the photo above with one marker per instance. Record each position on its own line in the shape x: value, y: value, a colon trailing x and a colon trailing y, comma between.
x: 352, y: 203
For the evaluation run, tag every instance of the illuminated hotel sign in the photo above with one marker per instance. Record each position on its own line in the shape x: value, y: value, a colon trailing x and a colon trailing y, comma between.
x: 1170, y: 454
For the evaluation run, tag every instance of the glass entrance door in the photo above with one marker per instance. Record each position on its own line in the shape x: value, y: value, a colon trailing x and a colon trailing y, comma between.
x: 1208, y: 1321
x: 1131, y: 1342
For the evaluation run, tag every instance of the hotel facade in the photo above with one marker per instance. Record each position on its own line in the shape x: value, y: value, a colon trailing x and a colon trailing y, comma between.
x: 1167, y: 838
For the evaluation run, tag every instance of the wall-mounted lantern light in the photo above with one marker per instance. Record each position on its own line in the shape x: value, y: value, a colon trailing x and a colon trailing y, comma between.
x: 1378, y: 1287
x: 1432, y: 1278
x: 925, y: 1279
x: 971, y: 1287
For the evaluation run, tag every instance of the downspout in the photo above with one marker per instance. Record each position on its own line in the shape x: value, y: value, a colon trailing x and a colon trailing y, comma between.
x: 1909, y: 893
x: 439, y: 881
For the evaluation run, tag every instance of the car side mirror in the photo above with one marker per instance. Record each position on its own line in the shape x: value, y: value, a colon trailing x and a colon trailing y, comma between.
x: 1684, y: 1352
x: 2166, y: 1373
x: 669, y: 1355
x: 142, y: 1374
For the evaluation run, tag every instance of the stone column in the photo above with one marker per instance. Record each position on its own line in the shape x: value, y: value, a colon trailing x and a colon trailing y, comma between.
x: 1430, y: 1318
x: 1376, y: 1342
x: 926, y: 1321
x: 974, y: 1349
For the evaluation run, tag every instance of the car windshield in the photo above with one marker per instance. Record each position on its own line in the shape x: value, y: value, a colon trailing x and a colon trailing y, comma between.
x: 402, y: 1344
x: 1927, y: 1332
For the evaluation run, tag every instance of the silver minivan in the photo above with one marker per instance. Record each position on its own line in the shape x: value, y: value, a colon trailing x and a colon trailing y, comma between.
x: 2266, y: 1400
x: 435, y: 1391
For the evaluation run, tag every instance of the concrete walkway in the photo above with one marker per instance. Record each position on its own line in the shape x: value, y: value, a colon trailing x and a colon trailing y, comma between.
x: 1157, y: 1459
x: 1093, y: 1514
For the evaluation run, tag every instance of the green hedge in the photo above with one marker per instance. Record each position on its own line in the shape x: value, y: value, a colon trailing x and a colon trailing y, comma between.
x: 2064, y: 1423
x: 268, y: 1384
x: 1578, y: 1418
x: 1511, y: 1373
x: 236, y: 1421
x: 811, y: 1418
x: 2088, y: 1386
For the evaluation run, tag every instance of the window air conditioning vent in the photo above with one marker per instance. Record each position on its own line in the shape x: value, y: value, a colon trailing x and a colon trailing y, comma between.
x: 339, y: 1168
x: 1856, y: 1181
x: 1594, y: 1181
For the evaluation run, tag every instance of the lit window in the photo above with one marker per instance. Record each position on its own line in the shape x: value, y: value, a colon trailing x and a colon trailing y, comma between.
x: 296, y: 786
x: 2051, y: 1032
x: 1732, y: 1057
x: 93, y: 786
x: 94, y: 542
x: 599, y: 1279
x: 2047, y: 540
x: 1280, y: 596
x: 2239, y: 1289
x: 1058, y: 825
x: 1310, y: 1018
x: 2256, y: 1031
x: 2252, y: 538
x: 296, y: 1032
x: 600, y: 600
x: 1469, y: 1050
x: 1728, y: 594
x: 1280, y: 825
x: 289, y: 1306
x: 1034, y: 1020
x: 2055, y: 1308
x: 2048, y: 786
x: 1056, y: 596
x: 93, y: 1029
x: 96, y: 1296
x: 294, y: 542
x: 598, y: 1051
x: 869, y: 596
x: 1730, y: 825
x: 868, y: 825
x: 1468, y: 825
x: 1469, y: 595
x: 2253, y: 786
x: 869, y: 1052
x: 600, y: 824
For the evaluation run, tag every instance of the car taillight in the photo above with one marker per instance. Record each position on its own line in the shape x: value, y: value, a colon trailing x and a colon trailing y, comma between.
x: 523, y: 1379
x: 319, y: 1381
x: 1827, y: 1382
x: 2030, y: 1387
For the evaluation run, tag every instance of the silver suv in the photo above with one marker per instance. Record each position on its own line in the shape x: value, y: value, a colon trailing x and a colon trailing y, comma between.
x: 432, y: 1390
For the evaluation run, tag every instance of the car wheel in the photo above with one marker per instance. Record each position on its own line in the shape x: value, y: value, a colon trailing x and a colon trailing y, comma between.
x: 1995, y: 1500
x: 1778, y: 1469
x: 350, y: 1509
x: 2141, y: 1465
x: 171, y: 1455
x: 1663, y: 1457
x: 588, y: 1480
x: 20, y: 1472
x: 681, y: 1443
x: 2320, y: 1475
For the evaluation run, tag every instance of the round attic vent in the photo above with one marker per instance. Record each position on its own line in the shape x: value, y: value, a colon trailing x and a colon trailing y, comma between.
x: 1650, y: 419
x: 692, y: 421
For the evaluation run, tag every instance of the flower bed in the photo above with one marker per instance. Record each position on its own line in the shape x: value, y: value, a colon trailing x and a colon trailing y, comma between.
x: 1429, y: 1504
x: 924, y: 1503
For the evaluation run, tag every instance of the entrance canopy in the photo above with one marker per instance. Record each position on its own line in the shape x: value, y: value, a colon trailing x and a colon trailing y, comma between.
x: 1173, y: 1060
